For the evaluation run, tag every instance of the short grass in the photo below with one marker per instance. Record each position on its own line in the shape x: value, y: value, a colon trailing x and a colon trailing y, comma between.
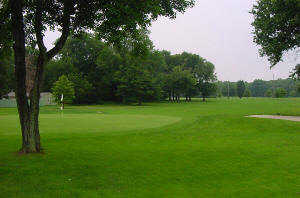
x: 157, y: 150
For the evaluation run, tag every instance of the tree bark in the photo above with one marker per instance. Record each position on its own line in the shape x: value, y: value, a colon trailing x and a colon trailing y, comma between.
x: 29, y: 110
x: 177, y: 99
x: 29, y: 143
x: 173, y: 96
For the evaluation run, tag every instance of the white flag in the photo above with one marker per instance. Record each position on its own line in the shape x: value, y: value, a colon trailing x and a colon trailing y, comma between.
x: 62, y: 97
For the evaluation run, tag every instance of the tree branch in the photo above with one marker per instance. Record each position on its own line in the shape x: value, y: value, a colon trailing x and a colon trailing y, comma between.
x: 65, y: 31
x: 38, y: 27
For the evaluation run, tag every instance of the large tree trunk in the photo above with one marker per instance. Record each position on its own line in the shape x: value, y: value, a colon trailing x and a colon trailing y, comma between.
x: 29, y: 110
x: 28, y: 113
x: 32, y: 136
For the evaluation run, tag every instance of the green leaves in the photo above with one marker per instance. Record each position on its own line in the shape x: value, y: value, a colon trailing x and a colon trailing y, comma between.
x: 240, y: 88
x: 82, y: 88
x: 65, y: 87
x: 247, y: 93
x: 276, y: 27
x: 134, y: 82
x: 280, y: 93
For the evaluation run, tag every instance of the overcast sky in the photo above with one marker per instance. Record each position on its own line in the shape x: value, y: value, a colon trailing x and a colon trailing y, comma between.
x: 219, y: 31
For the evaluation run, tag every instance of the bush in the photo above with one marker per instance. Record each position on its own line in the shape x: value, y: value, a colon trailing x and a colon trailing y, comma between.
x: 63, y: 87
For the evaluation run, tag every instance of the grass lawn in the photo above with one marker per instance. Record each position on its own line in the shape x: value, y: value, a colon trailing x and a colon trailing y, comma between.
x: 157, y: 150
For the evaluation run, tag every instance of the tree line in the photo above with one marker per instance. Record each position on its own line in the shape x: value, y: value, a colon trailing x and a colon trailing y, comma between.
x: 259, y: 88
x: 101, y: 72
x: 96, y: 72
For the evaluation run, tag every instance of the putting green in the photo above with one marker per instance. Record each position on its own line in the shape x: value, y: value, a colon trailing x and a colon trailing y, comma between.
x: 85, y: 123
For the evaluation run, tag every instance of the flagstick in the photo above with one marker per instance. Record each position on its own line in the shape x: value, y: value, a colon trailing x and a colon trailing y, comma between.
x: 62, y: 102
x: 62, y: 105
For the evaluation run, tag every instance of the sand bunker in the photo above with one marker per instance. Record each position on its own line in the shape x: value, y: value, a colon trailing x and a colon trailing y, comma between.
x: 291, y: 118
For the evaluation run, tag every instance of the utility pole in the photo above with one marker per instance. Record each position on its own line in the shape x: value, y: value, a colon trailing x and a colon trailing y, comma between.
x: 273, y: 92
x: 228, y: 89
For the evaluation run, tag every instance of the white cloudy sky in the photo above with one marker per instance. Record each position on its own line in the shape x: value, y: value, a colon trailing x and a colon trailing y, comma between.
x: 220, y: 31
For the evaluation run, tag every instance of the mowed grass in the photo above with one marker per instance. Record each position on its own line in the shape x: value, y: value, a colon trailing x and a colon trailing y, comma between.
x: 157, y: 150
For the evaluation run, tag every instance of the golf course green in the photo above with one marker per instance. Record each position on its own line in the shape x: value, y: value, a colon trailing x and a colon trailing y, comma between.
x: 187, y: 149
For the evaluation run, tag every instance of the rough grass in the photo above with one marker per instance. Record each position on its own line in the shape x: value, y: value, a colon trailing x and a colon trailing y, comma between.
x: 158, y: 150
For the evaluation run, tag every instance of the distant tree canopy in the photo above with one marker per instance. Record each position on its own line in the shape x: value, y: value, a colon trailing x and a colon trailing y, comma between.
x: 247, y: 93
x: 63, y: 90
x: 260, y: 88
x: 240, y: 88
x: 227, y: 88
x: 280, y: 93
x: 207, y: 89
x: 82, y: 88
x: 276, y: 27
x: 135, y: 84
x: 269, y: 93
x: 116, y: 74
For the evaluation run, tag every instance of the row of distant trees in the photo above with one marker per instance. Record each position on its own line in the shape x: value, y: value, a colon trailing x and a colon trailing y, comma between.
x: 259, y: 88
x: 88, y: 70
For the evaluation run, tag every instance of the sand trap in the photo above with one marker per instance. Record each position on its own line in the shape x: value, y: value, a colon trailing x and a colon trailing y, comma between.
x: 291, y: 118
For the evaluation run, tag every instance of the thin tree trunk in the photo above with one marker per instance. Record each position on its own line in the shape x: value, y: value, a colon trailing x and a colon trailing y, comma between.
x: 173, y: 96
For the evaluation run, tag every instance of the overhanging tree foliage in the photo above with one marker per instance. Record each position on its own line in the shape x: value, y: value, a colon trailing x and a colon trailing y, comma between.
x: 24, y: 22
x: 276, y: 27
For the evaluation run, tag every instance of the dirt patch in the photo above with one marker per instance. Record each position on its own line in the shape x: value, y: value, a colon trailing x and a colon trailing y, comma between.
x: 291, y: 118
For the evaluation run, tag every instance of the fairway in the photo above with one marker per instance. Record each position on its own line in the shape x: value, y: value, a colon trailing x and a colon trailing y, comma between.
x: 196, y: 149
